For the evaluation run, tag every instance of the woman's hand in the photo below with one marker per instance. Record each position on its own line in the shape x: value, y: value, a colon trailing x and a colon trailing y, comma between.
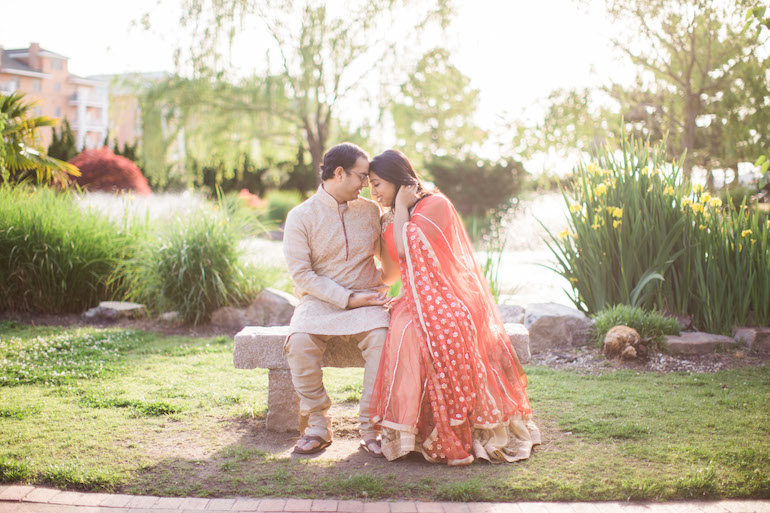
x: 406, y: 197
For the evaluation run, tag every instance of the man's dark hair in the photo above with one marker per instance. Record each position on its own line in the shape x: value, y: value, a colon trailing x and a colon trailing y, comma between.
x: 344, y: 155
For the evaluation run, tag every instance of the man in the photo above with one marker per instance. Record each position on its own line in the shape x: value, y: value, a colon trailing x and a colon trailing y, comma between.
x: 329, y: 244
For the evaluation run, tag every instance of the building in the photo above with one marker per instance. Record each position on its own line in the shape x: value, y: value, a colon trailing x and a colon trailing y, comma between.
x: 43, y: 75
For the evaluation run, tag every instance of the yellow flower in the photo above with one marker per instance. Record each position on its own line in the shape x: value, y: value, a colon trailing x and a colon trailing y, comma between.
x: 702, y: 227
x: 744, y: 233
x: 668, y: 190
x: 697, y: 207
x: 686, y: 202
x: 715, y: 202
x: 598, y: 223
x: 601, y: 189
x: 564, y: 234
x: 617, y: 223
x: 573, y: 280
x: 575, y: 208
x: 592, y: 169
x: 705, y: 198
x: 698, y: 188
x: 753, y: 241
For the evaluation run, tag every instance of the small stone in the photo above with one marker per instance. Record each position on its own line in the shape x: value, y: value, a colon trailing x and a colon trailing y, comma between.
x: 629, y: 353
x: 171, y: 317
x: 114, y: 310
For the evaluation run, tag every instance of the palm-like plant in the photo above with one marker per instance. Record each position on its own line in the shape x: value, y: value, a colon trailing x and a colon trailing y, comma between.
x: 20, y: 146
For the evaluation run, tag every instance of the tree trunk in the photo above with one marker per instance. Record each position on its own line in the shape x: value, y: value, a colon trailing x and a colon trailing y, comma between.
x: 690, y: 114
x: 317, y: 152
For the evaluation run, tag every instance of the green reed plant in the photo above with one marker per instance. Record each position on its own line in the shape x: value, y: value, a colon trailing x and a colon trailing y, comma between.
x: 191, y: 265
x: 640, y: 236
x: 625, y: 227
x: 54, y: 257
x: 279, y: 203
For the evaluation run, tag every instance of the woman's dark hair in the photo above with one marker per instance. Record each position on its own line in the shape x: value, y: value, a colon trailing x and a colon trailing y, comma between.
x: 393, y: 166
x: 342, y: 155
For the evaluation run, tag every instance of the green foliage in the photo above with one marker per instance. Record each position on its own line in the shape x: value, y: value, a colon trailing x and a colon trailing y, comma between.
x: 191, y: 266
x: 647, y: 324
x: 54, y: 257
x: 63, y: 145
x: 434, y: 114
x: 22, y: 155
x: 475, y: 186
x: 279, y: 203
x: 637, y: 235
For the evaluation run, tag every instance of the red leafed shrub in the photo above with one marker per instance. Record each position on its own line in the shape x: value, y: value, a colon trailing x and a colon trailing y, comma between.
x: 102, y: 170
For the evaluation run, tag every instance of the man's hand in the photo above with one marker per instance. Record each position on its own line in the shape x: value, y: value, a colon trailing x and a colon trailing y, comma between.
x: 359, y: 299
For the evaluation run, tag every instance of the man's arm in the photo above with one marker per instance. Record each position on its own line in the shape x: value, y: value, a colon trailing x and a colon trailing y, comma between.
x: 296, y: 251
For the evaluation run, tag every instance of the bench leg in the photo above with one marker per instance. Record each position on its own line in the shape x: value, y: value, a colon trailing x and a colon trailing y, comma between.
x: 282, y: 402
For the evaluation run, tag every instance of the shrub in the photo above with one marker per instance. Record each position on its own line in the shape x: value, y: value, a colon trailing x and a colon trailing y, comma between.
x: 102, y: 170
x: 477, y: 187
x: 648, y: 324
x: 279, y: 203
x: 55, y: 258
x: 191, y: 266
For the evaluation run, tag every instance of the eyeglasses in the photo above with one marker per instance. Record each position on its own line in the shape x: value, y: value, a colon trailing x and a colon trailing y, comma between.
x: 364, y: 178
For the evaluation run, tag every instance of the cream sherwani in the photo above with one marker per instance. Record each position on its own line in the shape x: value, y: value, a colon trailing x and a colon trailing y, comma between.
x: 329, y: 250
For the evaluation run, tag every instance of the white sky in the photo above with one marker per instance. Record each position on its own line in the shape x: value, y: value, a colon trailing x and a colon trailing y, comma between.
x: 515, y: 51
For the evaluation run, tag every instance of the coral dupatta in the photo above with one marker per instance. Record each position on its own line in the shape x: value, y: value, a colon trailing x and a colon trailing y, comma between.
x: 468, y: 377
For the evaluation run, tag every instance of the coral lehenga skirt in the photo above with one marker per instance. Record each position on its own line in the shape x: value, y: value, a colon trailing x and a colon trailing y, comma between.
x: 449, y: 384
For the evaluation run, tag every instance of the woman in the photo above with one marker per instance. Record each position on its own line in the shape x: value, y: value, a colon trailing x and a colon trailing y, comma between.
x: 449, y: 385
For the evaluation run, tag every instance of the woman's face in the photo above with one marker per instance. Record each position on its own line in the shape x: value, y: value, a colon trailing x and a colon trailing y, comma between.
x: 383, y: 191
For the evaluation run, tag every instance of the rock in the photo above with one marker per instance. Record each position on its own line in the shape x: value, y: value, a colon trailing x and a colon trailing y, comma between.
x: 511, y: 314
x: 114, y: 310
x: 552, y: 326
x: 756, y: 339
x: 276, y: 306
x: 271, y: 307
x: 629, y: 353
x: 618, y: 340
x: 519, y: 340
x: 698, y: 343
x: 171, y: 317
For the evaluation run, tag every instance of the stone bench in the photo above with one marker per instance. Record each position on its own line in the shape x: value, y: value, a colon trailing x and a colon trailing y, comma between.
x: 262, y: 347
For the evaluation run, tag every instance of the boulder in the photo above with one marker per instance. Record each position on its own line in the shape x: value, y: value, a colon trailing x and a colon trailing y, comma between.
x: 271, y: 307
x: 624, y: 342
x: 114, y: 310
x: 552, y: 326
x: 511, y: 314
x: 699, y: 343
x: 756, y: 339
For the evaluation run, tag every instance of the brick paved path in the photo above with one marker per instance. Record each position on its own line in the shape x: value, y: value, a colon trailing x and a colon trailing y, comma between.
x: 30, y: 499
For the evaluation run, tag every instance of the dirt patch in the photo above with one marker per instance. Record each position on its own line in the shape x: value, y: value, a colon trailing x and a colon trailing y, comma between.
x: 590, y: 360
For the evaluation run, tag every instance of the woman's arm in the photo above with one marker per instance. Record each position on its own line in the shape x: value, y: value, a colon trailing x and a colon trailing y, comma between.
x: 390, y: 271
x: 405, y: 198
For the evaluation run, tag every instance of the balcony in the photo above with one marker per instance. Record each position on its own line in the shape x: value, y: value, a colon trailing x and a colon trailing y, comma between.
x: 90, y: 100
x: 90, y: 125
x: 7, y: 88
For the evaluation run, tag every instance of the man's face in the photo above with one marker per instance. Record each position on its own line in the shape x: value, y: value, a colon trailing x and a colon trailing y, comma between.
x: 355, y: 179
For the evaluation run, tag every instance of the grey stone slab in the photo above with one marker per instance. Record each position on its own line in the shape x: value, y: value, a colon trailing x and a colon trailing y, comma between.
x: 15, y: 493
x: 698, y: 343
x: 552, y: 326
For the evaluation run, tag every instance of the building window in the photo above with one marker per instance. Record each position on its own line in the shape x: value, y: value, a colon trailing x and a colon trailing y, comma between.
x: 36, y: 86
x: 56, y: 64
x: 56, y: 86
x: 58, y: 112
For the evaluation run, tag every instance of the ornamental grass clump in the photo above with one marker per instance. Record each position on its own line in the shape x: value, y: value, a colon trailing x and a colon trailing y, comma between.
x: 648, y: 324
x: 638, y: 235
x: 54, y: 257
x: 192, y: 266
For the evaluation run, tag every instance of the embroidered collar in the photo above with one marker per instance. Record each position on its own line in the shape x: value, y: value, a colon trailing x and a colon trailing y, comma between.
x: 328, y: 199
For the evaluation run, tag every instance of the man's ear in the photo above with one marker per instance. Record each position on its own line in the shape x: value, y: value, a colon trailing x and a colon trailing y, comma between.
x: 339, y: 172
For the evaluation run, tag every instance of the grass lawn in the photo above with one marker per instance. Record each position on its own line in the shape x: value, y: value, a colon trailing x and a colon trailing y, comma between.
x: 117, y: 410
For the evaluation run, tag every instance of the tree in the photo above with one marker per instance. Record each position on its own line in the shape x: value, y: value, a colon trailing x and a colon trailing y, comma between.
x: 23, y: 156
x: 689, y: 53
x: 434, y: 114
x: 325, y: 50
x: 63, y: 146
